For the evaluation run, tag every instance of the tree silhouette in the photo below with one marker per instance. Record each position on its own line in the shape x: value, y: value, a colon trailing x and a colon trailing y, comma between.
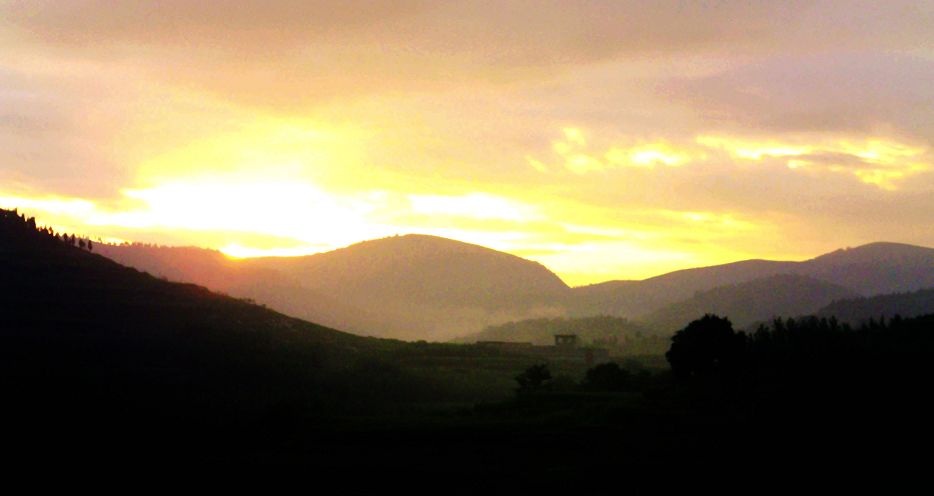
x: 534, y: 378
x: 607, y: 377
x: 706, y: 346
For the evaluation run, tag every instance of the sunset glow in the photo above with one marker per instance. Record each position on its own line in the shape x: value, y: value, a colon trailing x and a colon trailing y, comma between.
x: 616, y: 152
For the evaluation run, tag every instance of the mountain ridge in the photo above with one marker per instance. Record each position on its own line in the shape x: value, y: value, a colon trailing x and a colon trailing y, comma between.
x: 855, y: 311
x: 781, y: 295
x: 399, y: 287
x: 869, y: 269
x: 428, y: 287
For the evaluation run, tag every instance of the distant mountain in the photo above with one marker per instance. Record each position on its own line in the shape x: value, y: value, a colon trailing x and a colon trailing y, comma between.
x: 277, y: 288
x: 869, y: 270
x: 425, y: 287
x: 786, y: 295
x: 858, y: 310
x: 410, y: 287
x: 636, y: 298
x: 876, y: 268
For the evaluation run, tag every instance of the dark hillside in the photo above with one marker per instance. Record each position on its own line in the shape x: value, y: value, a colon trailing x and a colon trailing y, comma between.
x: 753, y: 301
x: 876, y: 268
x: 858, y: 310
x: 91, y: 351
x: 871, y: 269
x: 636, y: 298
x: 277, y: 288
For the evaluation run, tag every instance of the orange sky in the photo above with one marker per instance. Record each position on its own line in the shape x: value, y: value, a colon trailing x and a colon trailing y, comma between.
x: 606, y: 140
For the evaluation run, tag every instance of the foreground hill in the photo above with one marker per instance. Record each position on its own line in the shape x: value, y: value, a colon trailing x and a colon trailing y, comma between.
x: 410, y: 287
x: 105, y: 367
x: 279, y: 289
x: 750, y: 302
x: 869, y: 270
x: 857, y: 310
x: 64, y: 303
x: 95, y: 354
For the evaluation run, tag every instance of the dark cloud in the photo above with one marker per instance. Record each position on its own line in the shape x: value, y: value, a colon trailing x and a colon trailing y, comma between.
x: 293, y: 53
x: 47, y: 140
x: 201, y: 25
x: 307, y: 51
x: 863, y: 92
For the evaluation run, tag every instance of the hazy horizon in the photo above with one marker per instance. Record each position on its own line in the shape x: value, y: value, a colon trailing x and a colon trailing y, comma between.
x: 604, y: 140
x: 234, y: 257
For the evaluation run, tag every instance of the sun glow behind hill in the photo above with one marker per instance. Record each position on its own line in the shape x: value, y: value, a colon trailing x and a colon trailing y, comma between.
x: 215, y: 194
x: 565, y: 132
x: 262, y: 219
x: 294, y: 187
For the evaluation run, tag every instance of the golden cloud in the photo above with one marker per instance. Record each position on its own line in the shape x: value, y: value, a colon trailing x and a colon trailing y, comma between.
x: 877, y: 161
x: 575, y: 157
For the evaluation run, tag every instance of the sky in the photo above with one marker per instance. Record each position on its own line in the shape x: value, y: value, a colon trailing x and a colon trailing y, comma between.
x: 606, y: 140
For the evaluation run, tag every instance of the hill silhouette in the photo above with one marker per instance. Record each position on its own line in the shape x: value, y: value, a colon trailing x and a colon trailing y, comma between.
x: 410, y: 287
x: 875, y: 268
x: 424, y: 287
x: 101, y: 364
x: 750, y: 302
x: 858, y: 310
x: 636, y: 298
x: 91, y: 350
x: 869, y: 270
x: 279, y: 289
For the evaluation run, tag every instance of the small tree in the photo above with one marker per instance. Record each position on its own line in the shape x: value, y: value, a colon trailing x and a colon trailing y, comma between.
x: 607, y: 377
x: 535, y: 378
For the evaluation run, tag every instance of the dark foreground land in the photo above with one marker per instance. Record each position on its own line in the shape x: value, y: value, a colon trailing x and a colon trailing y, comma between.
x: 106, y: 368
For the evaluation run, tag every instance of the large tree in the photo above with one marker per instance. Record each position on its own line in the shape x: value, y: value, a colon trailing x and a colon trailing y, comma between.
x: 707, y: 346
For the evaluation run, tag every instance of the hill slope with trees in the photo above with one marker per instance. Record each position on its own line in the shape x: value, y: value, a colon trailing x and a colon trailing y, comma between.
x: 91, y: 350
x: 751, y: 302
x: 871, y: 269
x: 858, y: 310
